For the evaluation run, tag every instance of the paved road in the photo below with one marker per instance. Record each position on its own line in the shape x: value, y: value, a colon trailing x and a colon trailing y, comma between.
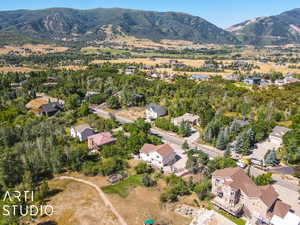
x: 291, y: 186
x: 211, y: 151
x: 101, y: 194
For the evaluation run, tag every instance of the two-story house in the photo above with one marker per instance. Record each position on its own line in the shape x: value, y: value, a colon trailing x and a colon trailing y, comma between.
x: 153, y: 111
x: 82, y: 132
x: 158, y: 156
x: 236, y: 193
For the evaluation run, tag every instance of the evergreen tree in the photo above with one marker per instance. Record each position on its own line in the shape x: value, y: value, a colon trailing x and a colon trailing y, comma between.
x: 270, y: 158
x: 221, y: 141
x: 185, y: 145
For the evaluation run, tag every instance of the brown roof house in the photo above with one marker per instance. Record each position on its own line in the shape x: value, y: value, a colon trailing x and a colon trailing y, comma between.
x: 236, y: 193
x: 97, y: 140
x: 158, y: 156
x: 82, y: 132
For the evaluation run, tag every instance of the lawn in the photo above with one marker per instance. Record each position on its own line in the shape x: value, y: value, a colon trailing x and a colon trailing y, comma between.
x: 236, y: 220
x: 123, y: 187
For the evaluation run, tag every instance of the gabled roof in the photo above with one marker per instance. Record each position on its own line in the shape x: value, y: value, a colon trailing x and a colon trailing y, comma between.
x: 280, y: 209
x: 157, y: 108
x: 82, y: 127
x: 241, y: 181
x: 51, y: 107
x: 101, y: 138
x: 163, y: 150
x: 279, y: 131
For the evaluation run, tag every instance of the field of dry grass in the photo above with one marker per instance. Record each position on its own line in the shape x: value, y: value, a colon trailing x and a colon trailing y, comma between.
x: 41, y: 49
x: 77, y: 203
x: 7, y: 69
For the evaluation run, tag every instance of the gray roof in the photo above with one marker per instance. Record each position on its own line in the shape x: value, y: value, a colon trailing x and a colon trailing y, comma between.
x: 279, y: 131
x: 157, y: 108
x: 51, y: 107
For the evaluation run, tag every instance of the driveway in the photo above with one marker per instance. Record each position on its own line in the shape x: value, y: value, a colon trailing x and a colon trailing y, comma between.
x: 262, y: 148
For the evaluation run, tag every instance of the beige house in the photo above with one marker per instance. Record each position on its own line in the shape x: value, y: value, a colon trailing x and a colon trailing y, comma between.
x: 188, y: 117
x: 236, y: 193
x: 277, y: 134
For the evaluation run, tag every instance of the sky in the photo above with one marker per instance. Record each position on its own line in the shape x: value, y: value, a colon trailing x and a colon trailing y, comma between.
x: 222, y: 13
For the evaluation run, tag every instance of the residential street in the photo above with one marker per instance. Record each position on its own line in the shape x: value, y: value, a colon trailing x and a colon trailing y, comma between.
x: 211, y: 151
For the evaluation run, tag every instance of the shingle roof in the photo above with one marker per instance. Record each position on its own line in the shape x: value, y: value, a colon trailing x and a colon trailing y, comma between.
x: 82, y: 127
x: 101, y: 139
x: 164, y: 150
x: 51, y: 107
x: 279, y: 131
x: 240, y: 180
x: 280, y: 209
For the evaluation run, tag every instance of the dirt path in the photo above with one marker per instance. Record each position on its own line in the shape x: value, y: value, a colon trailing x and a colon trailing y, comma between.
x: 101, y: 194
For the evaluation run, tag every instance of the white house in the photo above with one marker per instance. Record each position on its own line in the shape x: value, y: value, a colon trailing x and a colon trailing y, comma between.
x: 282, y: 215
x: 82, y: 132
x: 153, y: 111
x: 277, y: 134
x: 158, y: 156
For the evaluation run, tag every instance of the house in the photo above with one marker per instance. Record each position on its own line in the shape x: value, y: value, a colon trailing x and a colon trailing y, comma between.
x: 279, y: 82
x: 200, y: 77
x: 232, y: 77
x: 288, y: 80
x: 252, y: 81
x: 82, y: 132
x: 153, y: 111
x: 277, y: 134
x: 97, y: 140
x: 50, y: 109
x: 283, y: 215
x: 236, y: 194
x: 188, y: 117
x: 130, y: 70
x: 158, y: 156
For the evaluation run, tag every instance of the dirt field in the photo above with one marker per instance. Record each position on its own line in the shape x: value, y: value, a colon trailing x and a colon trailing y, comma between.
x: 79, y: 204
x: 132, y: 113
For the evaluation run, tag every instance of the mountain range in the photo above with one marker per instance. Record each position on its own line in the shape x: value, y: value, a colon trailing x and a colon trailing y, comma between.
x: 280, y: 29
x: 64, y: 24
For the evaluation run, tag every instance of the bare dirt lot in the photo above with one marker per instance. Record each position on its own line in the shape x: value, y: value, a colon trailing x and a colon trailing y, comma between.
x: 132, y: 113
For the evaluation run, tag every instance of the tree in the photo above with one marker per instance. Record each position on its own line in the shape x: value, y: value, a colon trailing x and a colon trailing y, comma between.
x: 185, y: 145
x: 83, y: 110
x: 270, y: 158
x: 73, y: 101
x: 221, y: 141
x: 113, y: 102
x: 184, y: 129
x: 202, y: 189
x: 143, y: 168
x: 147, y: 181
x: 263, y: 179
